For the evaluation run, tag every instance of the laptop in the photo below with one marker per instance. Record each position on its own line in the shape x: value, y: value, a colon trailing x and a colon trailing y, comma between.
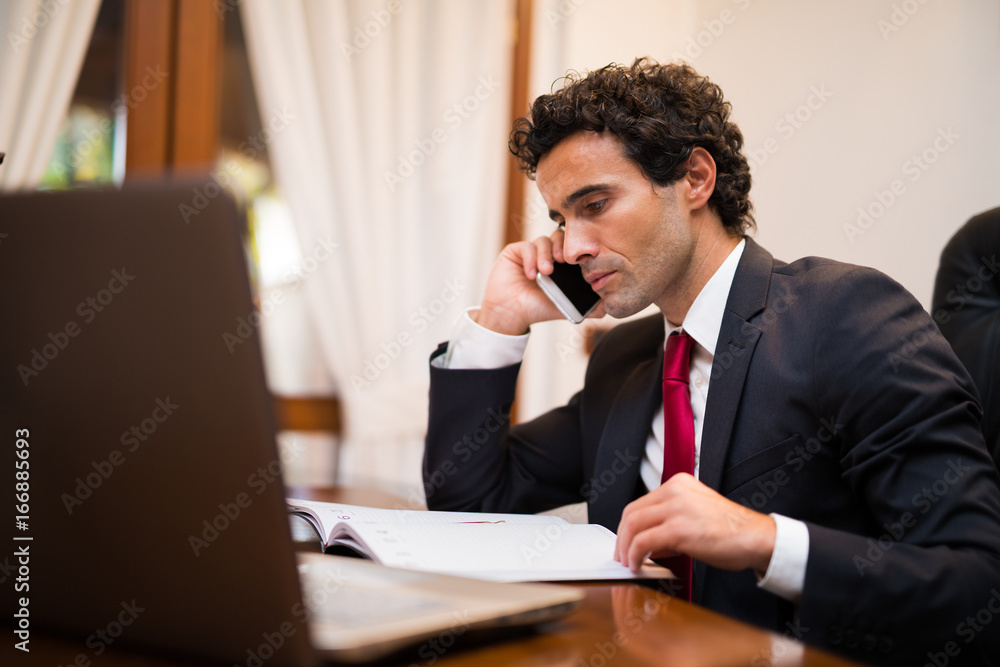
x: 153, y: 513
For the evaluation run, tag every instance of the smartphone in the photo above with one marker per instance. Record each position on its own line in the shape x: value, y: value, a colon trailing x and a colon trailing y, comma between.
x: 569, y: 291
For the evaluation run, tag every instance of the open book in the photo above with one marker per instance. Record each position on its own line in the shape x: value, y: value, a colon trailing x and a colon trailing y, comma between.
x: 500, y: 547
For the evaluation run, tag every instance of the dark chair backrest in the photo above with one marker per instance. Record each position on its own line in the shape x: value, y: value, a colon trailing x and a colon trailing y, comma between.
x: 966, y: 307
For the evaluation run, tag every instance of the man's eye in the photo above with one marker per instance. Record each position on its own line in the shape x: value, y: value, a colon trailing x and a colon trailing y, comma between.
x: 597, y: 206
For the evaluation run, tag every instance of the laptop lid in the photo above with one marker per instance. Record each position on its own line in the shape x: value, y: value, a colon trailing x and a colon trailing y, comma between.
x: 153, y: 506
x: 151, y: 458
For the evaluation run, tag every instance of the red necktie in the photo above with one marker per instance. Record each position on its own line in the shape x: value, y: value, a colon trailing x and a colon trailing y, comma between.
x: 678, y: 431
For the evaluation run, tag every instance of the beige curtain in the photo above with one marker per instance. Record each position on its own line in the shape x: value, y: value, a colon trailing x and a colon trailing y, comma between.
x: 44, y: 43
x: 388, y: 142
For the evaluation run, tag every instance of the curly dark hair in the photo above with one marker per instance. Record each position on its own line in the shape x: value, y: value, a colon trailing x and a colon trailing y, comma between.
x: 660, y: 113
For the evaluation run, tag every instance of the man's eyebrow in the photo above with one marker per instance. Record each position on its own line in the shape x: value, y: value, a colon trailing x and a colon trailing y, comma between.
x: 578, y: 195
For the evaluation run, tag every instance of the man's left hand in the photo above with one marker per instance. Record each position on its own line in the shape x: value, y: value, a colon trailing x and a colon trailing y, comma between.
x: 683, y: 515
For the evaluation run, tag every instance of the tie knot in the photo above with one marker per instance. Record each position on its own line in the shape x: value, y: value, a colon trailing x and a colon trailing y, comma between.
x: 677, y: 357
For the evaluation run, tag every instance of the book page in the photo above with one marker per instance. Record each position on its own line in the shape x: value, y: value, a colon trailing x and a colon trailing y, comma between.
x: 500, y: 551
x: 326, y: 515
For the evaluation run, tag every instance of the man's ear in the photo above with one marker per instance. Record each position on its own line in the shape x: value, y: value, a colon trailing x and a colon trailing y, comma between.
x: 700, y: 178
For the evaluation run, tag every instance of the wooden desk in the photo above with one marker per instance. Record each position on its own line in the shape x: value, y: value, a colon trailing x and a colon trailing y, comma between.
x: 626, y: 624
x: 617, y: 625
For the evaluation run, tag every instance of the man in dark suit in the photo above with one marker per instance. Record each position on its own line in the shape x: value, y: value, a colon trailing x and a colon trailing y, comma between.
x: 840, y: 487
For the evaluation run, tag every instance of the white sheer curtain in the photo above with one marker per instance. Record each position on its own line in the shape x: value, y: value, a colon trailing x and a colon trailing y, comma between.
x: 44, y: 43
x: 388, y: 125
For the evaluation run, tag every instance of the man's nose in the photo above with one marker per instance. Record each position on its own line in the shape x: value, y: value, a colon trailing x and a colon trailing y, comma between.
x: 579, y: 243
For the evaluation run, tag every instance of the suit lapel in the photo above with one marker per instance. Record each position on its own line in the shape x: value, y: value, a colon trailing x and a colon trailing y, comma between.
x: 733, y: 353
x: 623, y: 443
x: 737, y: 341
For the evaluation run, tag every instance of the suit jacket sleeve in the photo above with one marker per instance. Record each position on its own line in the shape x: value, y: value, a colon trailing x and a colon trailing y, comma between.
x: 911, y: 453
x: 474, y: 461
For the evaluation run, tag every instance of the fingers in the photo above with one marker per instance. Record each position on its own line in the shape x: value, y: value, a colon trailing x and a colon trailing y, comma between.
x: 536, y: 256
x: 529, y: 259
x: 649, y: 531
x: 650, y: 543
x: 512, y: 301
x: 543, y: 246
x: 685, y: 516
x: 639, y: 515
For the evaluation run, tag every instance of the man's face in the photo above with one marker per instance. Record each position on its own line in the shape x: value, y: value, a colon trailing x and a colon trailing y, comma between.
x: 632, y: 238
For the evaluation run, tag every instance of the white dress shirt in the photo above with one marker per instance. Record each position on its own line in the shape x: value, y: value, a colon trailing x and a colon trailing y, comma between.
x: 474, y: 347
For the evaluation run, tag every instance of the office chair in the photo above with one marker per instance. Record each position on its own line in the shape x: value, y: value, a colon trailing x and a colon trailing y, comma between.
x: 966, y: 307
x: 319, y: 414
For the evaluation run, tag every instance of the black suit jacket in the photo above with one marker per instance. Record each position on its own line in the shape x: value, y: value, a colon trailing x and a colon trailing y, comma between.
x: 833, y: 400
x: 966, y: 307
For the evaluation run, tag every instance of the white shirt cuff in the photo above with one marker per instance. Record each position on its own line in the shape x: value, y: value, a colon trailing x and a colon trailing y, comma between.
x: 786, y: 573
x: 475, y: 347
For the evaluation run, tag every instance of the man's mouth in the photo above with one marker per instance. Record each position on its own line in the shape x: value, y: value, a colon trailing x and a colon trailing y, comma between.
x: 598, y: 279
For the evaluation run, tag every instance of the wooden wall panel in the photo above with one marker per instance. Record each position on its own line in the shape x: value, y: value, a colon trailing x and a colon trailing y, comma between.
x: 173, y: 59
x: 195, y: 128
x: 149, y: 70
x: 516, y: 180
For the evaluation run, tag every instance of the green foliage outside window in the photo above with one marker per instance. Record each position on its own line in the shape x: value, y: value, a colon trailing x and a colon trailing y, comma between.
x: 83, y: 151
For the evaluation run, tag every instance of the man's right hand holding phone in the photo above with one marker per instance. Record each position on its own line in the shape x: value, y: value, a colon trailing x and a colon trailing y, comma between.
x: 513, y: 301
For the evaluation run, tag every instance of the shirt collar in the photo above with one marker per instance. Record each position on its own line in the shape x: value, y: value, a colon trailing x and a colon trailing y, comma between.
x: 704, y: 317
